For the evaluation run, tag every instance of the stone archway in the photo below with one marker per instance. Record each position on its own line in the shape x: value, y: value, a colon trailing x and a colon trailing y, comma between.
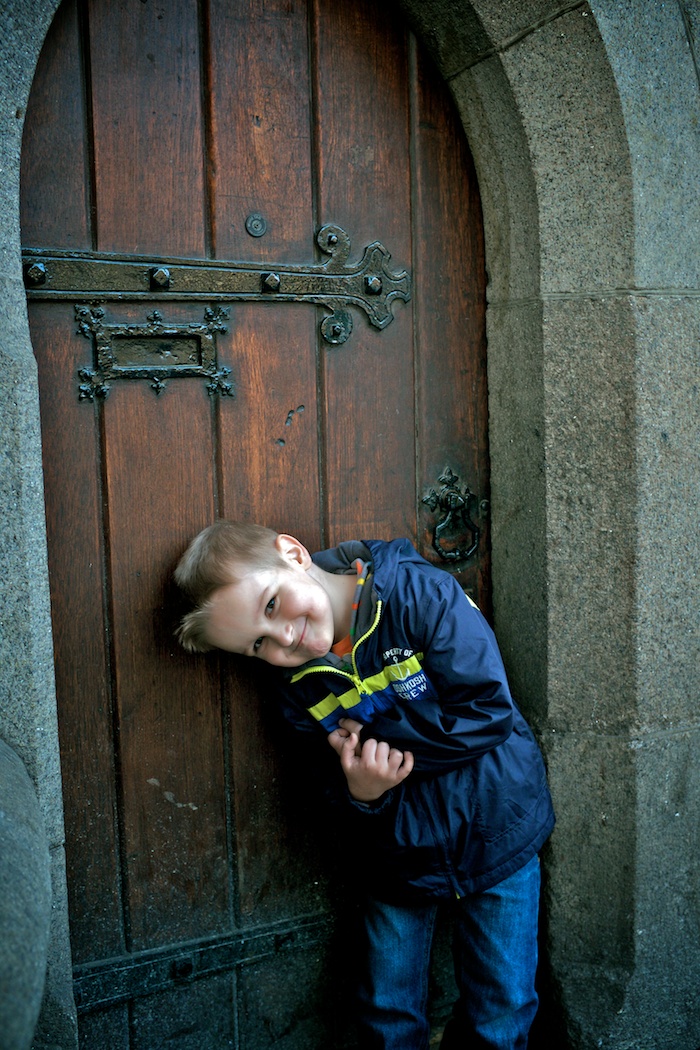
x: 593, y: 282
x: 572, y: 135
x: 553, y: 161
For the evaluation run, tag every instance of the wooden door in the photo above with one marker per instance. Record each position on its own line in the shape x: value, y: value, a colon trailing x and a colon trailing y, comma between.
x: 202, y: 185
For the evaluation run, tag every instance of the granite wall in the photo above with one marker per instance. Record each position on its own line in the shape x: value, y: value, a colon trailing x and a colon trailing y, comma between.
x: 583, y: 120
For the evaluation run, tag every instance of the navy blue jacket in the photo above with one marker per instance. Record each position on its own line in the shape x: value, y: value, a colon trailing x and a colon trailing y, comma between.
x: 427, y: 677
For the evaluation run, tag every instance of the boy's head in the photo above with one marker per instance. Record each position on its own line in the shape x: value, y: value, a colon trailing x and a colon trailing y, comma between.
x: 221, y: 554
x: 255, y: 592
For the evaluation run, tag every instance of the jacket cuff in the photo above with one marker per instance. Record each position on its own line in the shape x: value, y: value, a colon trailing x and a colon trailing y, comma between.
x: 377, y: 806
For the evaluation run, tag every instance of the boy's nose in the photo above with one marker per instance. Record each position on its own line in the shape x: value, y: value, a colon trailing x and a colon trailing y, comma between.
x: 285, y: 634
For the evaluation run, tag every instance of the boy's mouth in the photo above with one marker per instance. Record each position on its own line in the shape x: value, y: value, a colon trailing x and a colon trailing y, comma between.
x: 300, y: 639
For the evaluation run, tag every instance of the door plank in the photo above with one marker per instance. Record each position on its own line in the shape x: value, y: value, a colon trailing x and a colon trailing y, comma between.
x: 282, y: 868
x: 261, y: 131
x: 291, y: 1002
x: 269, y: 471
x: 269, y: 445
x: 169, y: 720
x: 195, y: 1016
x: 147, y: 126
x: 104, y: 1028
x: 364, y: 185
x: 449, y: 307
x: 76, y: 564
x: 362, y: 123
x: 53, y: 161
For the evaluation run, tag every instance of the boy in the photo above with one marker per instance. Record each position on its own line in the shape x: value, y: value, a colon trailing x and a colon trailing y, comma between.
x: 442, y: 786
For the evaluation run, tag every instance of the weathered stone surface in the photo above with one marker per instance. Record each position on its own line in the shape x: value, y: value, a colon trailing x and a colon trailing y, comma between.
x: 584, y: 122
x: 518, y: 523
x: 25, y: 903
x: 498, y: 141
x: 653, y: 55
x: 591, y: 497
x: 622, y: 888
x: 579, y: 154
x: 57, y: 1027
x: 667, y: 382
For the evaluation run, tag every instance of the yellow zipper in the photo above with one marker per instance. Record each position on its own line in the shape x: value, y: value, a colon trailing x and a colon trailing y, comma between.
x: 364, y: 637
x: 354, y: 678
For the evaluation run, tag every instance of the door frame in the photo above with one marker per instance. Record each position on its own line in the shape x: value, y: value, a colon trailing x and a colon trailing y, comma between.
x: 508, y: 122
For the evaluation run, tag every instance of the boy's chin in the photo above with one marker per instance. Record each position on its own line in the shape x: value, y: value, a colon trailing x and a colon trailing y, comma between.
x: 304, y: 659
x: 315, y: 652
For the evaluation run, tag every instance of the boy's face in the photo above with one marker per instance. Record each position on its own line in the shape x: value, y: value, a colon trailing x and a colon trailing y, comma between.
x: 281, y: 615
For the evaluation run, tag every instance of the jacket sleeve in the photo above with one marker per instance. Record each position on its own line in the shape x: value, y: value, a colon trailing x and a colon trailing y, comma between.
x: 466, y: 708
x: 318, y: 769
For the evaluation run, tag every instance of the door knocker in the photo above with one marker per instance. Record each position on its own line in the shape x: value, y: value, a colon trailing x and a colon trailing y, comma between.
x: 454, y: 503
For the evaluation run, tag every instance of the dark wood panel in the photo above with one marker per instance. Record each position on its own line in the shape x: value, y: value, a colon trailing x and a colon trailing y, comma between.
x: 148, y: 130
x: 196, y: 1016
x: 169, y: 716
x: 299, y: 1002
x: 269, y: 469
x: 282, y: 863
x: 449, y: 306
x: 73, y: 514
x: 363, y: 124
x: 269, y: 434
x: 363, y: 134
x: 370, y: 425
x: 260, y: 136
x: 54, y: 172
x: 104, y: 1029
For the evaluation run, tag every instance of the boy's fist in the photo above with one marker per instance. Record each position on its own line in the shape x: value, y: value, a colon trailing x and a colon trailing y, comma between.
x: 370, y: 768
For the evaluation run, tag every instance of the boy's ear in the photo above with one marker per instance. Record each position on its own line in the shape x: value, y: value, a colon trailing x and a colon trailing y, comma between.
x: 291, y: 550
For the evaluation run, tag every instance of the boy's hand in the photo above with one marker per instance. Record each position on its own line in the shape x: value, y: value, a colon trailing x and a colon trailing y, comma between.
x: 371, y: 768
x: 339, y: 736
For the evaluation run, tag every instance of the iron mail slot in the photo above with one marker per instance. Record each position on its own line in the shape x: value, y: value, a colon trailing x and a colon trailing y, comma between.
x: 156, y: 350
x: 132, y: 352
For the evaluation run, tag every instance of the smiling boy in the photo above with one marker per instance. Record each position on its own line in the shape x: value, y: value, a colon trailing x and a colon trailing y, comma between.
x: 285, y: 615
x: 439, y: 775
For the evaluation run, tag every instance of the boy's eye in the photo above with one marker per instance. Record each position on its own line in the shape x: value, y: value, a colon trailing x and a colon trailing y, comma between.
x: 268, y: 609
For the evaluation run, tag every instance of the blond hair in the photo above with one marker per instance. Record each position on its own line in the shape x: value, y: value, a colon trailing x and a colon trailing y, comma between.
x: 217, y: 556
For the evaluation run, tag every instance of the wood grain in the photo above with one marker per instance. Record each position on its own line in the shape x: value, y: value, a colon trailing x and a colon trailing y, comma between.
x: 147, y: 127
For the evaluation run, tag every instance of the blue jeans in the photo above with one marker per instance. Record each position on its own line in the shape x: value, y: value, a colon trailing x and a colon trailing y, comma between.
x: 495, y: 958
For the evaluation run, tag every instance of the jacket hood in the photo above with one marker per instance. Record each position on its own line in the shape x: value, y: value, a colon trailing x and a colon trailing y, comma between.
x: 384, y: 556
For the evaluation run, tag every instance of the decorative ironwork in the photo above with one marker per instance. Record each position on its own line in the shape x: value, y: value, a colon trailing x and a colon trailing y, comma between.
x: 369, y: 284
x: 255, y: 225
x: 455, y: 507
x: 34, y: 274
x: 336, y: 327
x: 91, y: 386
x: 160, y: 278
x: 156, y: 351
x: 145, y: 973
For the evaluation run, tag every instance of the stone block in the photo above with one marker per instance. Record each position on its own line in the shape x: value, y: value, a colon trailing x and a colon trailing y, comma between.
x: 591, y: 520
x: 508, y: 193
x: 25, y: 903
x: 579, y: 154
x: 668, y: 456
x: 507, y: 21
x: 518, y: 524
x: 57, y: 1026
x: 653, y: 51
x: 621, y: 890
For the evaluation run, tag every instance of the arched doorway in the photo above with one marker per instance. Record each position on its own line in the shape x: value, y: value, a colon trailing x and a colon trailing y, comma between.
x: 180, y: 164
